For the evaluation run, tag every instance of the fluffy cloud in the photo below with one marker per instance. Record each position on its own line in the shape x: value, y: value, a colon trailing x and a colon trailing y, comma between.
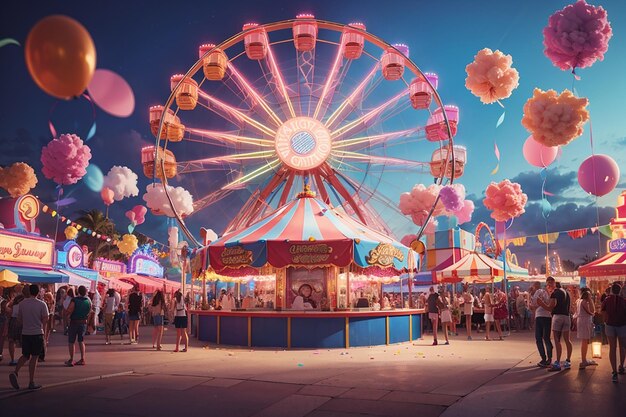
x: 122, y: 181
x: 157, y: 201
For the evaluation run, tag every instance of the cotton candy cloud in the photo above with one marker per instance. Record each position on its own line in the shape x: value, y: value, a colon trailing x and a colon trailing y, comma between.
x: 122, y: 181
x: 157, y: 201
x: 577, y: 36
x: 65, y: 159
x: 18, y: 179
x: 505, y: 200
x: 451, y: 198
x: 491, y: 77
x: 418, y: 202
x: 128, y: 244
x: 553, y: 119
x: 465, y: 214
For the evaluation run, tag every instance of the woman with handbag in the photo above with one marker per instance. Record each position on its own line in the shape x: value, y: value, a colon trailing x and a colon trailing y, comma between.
x: 180, y: 321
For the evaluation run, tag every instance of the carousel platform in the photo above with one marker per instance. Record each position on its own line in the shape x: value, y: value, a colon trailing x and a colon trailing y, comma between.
x: 307, y: 329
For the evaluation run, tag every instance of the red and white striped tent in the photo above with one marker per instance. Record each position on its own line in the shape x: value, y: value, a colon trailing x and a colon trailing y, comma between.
x: 478, y: 267
x: 610, y: 265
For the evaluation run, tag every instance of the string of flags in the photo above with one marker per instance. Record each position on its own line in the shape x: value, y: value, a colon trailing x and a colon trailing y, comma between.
x: 552, y: 237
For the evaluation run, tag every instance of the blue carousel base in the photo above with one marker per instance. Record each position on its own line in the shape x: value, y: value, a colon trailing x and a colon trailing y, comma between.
x: 290, y: 329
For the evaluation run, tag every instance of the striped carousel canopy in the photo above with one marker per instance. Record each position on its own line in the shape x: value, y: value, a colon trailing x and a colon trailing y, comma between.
x: 610, y: 265
x: 478, y: 267
x: 307, y: 232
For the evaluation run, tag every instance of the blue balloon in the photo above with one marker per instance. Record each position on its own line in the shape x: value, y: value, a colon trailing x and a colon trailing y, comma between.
x: 94, y: 180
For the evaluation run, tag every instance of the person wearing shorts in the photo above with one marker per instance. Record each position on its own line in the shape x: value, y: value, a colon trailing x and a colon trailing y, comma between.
x: 446, y: 315
x: 135, y: 303
x: 180, y: 321
x: 559, y: 305
x: 78, y: 309
x: 614, y: 312
x: 488, y: 302
x: 433, y: 312
x: 33, y: 314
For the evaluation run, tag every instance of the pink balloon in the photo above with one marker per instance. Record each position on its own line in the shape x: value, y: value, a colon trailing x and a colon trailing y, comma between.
x: 537, y: 154
x: 139, y: 214
x: 598, y: 175
x: 107, y: 195
x: 130, y: 215
x: 111, y: 93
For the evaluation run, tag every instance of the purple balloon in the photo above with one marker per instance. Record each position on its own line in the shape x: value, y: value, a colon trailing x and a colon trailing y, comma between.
x: 598, y: 175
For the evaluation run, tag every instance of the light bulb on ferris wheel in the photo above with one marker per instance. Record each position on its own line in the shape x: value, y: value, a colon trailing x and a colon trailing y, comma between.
x: 258, y: 113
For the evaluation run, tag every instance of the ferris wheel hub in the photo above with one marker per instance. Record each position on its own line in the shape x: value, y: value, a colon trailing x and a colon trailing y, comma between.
x: 303, y: 143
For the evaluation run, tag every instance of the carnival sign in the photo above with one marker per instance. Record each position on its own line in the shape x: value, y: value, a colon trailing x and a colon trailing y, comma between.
x: 75, y: 257
x: 309, y: 254
x: 17, y: 249
x: 107, y: 266
x: 384, y: 254
x: 236, y: 256
x: 617, y: 245
x: 143, y: 264
x: 303, y: 143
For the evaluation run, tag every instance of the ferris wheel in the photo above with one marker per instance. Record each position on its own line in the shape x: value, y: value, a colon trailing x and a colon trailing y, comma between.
x: 303, y: 101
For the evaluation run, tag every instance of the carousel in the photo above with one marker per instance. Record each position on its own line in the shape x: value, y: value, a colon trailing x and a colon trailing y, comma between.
x: 310, y: 276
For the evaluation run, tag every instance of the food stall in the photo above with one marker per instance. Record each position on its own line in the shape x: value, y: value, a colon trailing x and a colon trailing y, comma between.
x: 307, y: 265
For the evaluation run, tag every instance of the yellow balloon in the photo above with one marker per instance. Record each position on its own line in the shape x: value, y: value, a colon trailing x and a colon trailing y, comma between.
x: 60, y: 56
x: 71, y: 232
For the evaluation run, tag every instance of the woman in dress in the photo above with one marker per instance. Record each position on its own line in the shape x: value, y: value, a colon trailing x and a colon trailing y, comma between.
x: 584, y: 327
x: 446, y: 317
x: 157, y: 307
x: 468, y: 309
x: 180, y: 321
x: 48, y: 298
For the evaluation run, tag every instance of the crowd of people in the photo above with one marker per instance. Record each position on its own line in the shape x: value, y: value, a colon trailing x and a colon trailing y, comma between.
x: 30, y: 313
x: 553, y: 312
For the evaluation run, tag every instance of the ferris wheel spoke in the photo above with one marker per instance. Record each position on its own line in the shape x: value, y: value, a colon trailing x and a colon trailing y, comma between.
x: 287, y: 189
x: 306, y: 76
x: 374, y: 159
x: 365, y: 120
x: 280, y: 82
x: 373, y: 140
x: 210, y: 199
x: 239, y: 182
x: 321, y: 188
x: 233, y: 115
x: 227, y: 138
x: 350, y: 103
x: 219, y: 161
x: 329, y: 85
x: 330, y: 176
x: 253, y: 96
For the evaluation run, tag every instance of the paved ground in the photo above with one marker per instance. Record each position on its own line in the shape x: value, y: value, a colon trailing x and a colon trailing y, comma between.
x: 467, y: 378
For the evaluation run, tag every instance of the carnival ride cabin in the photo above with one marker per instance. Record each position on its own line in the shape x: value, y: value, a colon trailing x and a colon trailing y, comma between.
x: 255, y: 41
x: 392, y: 61
x: 187, y: 93
x: 441, y: 155
x: 148, y: 157
x: 215, y: 63
x: 173, y: 130
x: 305, y: 32
x: 353, y: 41
x: 420, y: 93
x: 436, y: 125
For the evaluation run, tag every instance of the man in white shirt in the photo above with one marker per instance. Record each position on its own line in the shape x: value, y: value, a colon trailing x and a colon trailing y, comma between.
x: 33, y: 314
x: 543, y: 324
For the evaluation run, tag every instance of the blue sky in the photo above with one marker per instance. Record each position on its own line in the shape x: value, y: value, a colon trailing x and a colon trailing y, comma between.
x: 146, y: 42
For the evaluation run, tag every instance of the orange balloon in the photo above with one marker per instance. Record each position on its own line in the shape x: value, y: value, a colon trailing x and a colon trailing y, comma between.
x: 60, y: 56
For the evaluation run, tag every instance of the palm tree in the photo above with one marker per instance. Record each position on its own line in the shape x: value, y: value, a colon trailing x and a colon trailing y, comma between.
x: 97, y: 222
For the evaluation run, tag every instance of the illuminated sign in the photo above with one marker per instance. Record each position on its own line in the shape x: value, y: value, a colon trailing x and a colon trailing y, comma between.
x: 104, y: 265
x: 384, y: 254
x: 145, y: 265
x: 75, y: 257
x: 236, y: 256
x: 310, y: 254
x: 28, y: 207
x: 17, y: 249
x: 303, y: 143
x: 617, y: 245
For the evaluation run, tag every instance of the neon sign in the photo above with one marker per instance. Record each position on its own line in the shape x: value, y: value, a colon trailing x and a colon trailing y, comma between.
x: 303, y: 143
x: 617, y: 245
x: 17, y: 249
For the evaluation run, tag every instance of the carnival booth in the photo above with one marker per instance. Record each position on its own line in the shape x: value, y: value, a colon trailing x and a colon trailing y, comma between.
x: 313, y: 273
x: 480, y: 268
x: 111, y: 271
x: 72, y: 261
x: 599, y: 274
x: 22, y: 251
x: 145, y: 271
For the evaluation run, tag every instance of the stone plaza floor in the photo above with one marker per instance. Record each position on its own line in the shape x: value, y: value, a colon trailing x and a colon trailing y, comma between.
x: 467, y: 378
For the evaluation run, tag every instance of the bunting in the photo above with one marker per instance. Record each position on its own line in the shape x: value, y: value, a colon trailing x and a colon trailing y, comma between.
x: 578, y: 233
x: 548, y: 237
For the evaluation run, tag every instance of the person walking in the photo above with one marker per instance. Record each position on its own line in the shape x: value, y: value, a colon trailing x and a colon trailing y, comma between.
x: 433, y: 312
x: 4, y: 317
x: 110, y: 306
x: 614, y: 312
x: 78, y: 311
x: 66, y: 303
x: 468, y: 309
x: 48, y: 298
x: 33, y: 314
x: 446, y: 316
x: 543, y: 324
x: 157, y: 308
x: 559, y: 305
x: 135, y: 302
x: 180, y: 321
x: 585, y: 311
x: 15, y: 327
x: 490, y: 303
